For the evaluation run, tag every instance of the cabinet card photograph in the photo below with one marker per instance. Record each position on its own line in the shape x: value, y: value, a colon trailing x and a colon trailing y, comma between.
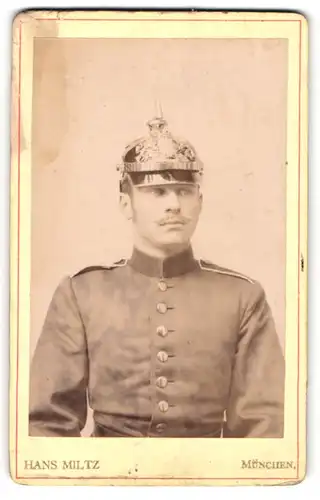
x: 158, y: 248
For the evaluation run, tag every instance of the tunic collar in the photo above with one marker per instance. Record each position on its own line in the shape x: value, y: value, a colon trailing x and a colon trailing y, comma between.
x: 176, y: 265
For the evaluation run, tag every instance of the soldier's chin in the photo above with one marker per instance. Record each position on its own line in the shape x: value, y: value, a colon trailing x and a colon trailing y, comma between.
x: 173, y: 237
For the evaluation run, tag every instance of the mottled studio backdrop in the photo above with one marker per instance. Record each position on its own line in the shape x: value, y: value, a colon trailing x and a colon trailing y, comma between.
x: 90, y: 97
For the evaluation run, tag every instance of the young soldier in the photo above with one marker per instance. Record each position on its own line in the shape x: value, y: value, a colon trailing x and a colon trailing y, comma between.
x: 160, y: 344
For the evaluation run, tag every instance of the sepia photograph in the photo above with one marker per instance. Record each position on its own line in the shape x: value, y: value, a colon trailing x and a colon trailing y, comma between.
x: 160, y: 246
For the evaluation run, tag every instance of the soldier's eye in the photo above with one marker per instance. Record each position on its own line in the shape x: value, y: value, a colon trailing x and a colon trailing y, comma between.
x: 158, y: 191
x: 185, y: 192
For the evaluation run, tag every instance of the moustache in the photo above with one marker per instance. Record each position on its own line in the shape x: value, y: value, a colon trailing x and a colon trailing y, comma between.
x: 174, y: 220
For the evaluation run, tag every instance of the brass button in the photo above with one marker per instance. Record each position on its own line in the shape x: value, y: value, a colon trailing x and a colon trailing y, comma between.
x: 162, y: 331
x: 162, y: 382
x: 162, y: 307
x: 163, y: 406
x: 162, y: 356
x: 161, y: 427
x: 162, y: 285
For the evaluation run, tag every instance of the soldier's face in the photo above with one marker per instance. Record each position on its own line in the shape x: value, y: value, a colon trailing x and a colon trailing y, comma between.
x: 164, y: 215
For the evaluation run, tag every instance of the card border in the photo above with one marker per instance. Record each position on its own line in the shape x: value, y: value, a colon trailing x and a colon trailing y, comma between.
x: 299, y: 255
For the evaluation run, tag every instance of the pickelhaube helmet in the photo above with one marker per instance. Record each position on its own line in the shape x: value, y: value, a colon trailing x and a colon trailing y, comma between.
x: 160, y: 158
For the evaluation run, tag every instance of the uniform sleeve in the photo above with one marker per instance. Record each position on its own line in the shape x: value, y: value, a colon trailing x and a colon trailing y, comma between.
x: 256, y: 400
x: 59, y: 370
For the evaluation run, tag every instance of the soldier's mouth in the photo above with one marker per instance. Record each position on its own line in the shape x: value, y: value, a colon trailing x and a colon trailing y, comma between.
x: 172, y: 222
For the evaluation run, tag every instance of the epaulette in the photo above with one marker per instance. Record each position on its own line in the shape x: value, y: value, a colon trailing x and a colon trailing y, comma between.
x: 209, y: 266
x: 119, y: 263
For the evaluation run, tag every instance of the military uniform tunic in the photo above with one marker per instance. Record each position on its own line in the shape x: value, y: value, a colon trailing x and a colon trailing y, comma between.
x: 169, y: 348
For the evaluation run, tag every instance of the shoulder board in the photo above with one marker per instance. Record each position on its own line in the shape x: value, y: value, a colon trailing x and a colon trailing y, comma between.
x: 206, y: 265
x: 119, y: 263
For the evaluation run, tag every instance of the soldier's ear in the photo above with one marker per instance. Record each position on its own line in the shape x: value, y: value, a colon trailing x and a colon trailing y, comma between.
x: 126, y: 205
x: 200, y: 199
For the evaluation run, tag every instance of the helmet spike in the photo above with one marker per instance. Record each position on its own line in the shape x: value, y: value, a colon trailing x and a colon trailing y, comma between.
x: 158, y: 109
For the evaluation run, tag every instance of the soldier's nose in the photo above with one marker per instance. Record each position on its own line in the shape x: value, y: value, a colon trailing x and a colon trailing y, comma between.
x: 172, y: 201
